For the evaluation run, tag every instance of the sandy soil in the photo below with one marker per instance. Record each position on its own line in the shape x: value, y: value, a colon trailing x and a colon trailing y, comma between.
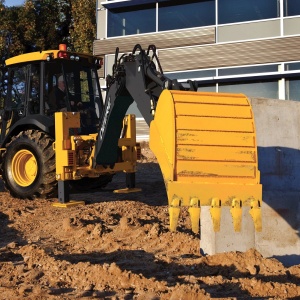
x: 118, y: 246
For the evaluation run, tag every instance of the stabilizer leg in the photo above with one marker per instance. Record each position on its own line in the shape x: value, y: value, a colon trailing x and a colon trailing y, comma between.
x: 64, y: 195
x: 130, y: 185
x: 63, y: 191
x: 130, y: 180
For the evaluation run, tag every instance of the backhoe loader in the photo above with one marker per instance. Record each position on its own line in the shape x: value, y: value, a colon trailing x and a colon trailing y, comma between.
x: 205, y: 143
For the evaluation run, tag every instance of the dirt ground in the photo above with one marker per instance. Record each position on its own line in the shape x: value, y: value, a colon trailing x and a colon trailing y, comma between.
x: 118, y: 246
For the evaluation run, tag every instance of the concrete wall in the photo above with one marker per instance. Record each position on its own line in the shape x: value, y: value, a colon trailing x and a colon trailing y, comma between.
x: 278, y: 138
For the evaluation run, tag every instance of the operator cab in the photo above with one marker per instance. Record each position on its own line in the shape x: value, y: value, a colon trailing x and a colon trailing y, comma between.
x: 31, y: 82
x: 71, y: 86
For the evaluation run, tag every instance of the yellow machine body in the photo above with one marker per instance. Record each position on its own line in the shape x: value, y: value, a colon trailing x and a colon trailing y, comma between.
x: 70, y: 149
x: 205, y: 143
x: 42, y: 55
x: 206, y: 147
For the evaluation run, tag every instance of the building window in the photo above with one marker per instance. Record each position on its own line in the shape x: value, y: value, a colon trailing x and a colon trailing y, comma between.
x: 265, y: 89
x: 178, y: 15
x: 247, y: 70
x: 291, y: 7
x: 292, y: 89
x: 131, y: 20
x: 191, y: 74
x: 232, y: 11
x: 292, y: 66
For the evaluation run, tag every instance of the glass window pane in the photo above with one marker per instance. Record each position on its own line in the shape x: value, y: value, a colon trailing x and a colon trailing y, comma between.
x: 292, y: 66
x: 34, y: 90
x: 189, y: 14
x: 191, y: 74
x: 18, y: 90
x: 248, y: 70
x: 232, y: 11
x: 291, y: 7
x: 131, y: 20
x: 18, y: 87
x: 292, y: 89
x: 266, y: 89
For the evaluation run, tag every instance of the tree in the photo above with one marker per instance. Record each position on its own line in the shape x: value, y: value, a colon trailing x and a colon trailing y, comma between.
x: 46, y: 18
x: 44, y: 24
x: 65, y: 20
x: 83, y: 30
x: 8, y: 24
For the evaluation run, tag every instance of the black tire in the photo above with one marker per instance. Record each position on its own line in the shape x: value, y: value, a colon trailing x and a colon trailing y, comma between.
x: 28, y: 166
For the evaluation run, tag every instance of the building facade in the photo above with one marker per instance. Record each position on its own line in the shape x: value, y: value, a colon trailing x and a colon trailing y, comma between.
x: 239, y: 46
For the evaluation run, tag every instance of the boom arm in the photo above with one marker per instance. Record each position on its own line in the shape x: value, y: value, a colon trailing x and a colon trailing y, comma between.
x: 205, y: 143
x: 135, y: 78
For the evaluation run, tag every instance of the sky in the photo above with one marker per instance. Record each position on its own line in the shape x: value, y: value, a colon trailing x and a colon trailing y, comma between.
x: 13, y: 2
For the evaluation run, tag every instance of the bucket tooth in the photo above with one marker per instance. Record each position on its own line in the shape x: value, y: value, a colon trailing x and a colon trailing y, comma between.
x: 236, y: 213
x: 194, y: 211
x: 174, y: 211
x: 255, y: 213
x: 215, y: 211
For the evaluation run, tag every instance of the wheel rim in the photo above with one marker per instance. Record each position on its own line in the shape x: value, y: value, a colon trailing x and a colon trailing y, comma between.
x: 24, y: 168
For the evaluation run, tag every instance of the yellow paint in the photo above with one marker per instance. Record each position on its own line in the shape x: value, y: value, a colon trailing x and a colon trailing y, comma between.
x: 194, y: 211
x: 205, y: 144
x: 68, y: 204
x: 43, y: 55
x: 206, y: 110
x: 215, y: 211
x: 127, y: 190
x: 66, y: 146
x: 215, y: 138
x: 214, y: 124
x: 174, y: 212
x: 236, y: 213
x: 25, y: 168
x: 255, y: 213
x: 33, y: 56
x: 211, y: 153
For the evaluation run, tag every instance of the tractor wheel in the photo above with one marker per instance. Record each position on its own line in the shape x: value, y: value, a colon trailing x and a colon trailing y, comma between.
x: 89, y: 184
x: 28, y: 165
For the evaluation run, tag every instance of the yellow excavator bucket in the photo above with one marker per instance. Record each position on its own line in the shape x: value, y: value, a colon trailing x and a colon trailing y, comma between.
x: 205, y: 144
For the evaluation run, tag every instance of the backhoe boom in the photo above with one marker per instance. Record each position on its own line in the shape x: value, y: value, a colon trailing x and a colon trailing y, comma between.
x: 205, y: 143
x: 135, y: 78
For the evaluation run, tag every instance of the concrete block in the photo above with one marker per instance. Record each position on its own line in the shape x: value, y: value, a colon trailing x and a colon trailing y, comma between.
x: 278, y: 138
x: 226, y: 239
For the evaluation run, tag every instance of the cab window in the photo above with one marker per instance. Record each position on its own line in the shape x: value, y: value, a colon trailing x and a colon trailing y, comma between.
x: 34, y: 91
x: 18, y: 87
